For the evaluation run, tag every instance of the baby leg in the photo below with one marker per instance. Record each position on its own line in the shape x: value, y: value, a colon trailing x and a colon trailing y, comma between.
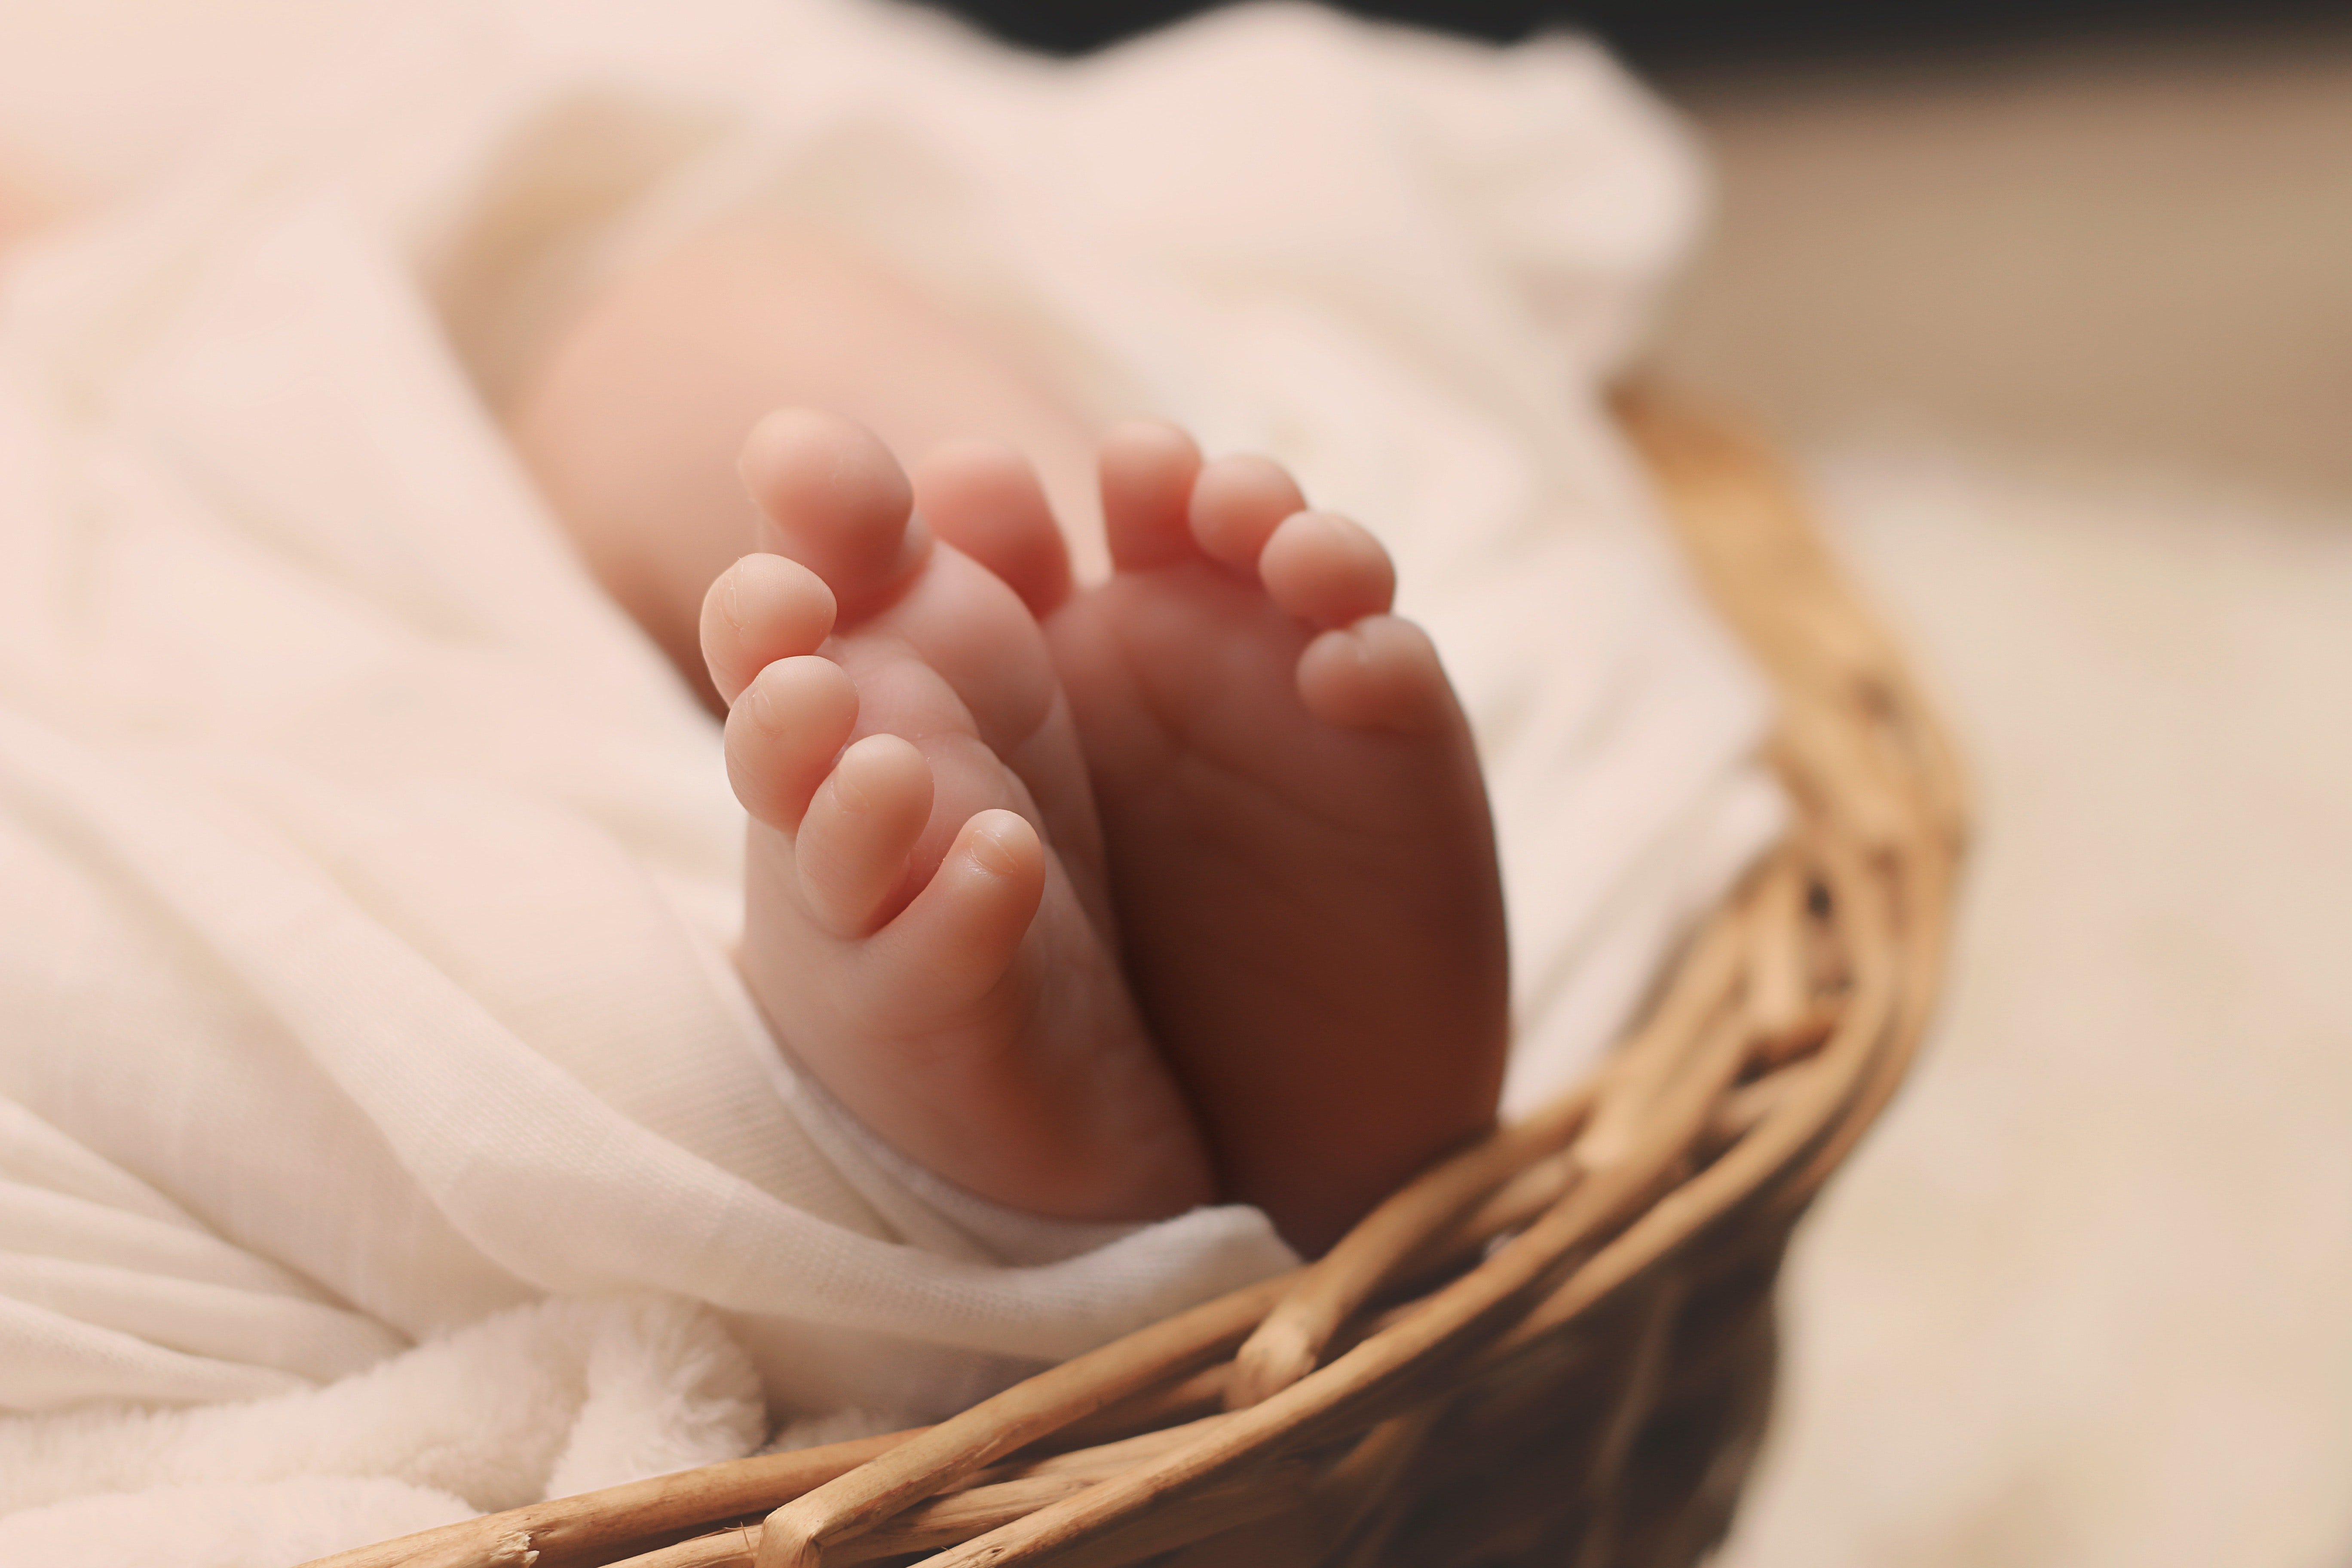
x: 633, y: 421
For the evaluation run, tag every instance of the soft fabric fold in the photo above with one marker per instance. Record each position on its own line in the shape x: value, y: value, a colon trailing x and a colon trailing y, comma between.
x: 365, y: 960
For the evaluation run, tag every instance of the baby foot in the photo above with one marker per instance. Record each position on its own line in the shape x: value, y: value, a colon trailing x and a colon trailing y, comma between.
x: 926, y: 924
x: 1301, y: 853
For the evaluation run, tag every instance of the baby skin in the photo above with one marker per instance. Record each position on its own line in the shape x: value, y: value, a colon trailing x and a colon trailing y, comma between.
x: 1104, y: 904
x: 1101, y: 901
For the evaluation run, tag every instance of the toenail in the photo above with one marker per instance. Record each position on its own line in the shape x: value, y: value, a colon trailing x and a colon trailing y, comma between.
x: 849, y: 791
x: 993, y: 844
x: 763, y: 706
x: 731, y: 602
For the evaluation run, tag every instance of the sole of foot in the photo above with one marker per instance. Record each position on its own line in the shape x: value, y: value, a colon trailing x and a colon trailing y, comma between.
x: 927, y: 925
x: 1301, y: 854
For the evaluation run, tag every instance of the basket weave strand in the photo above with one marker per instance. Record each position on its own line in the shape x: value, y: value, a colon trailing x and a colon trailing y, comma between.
x: 1556, y: 1347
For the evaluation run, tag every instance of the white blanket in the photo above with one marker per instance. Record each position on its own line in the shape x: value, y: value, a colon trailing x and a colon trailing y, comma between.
x: 367, y: 882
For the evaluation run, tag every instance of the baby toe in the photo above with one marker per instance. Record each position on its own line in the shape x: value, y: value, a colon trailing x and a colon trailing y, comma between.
x: 1380, y: 673
x: 985, y: 500
x: 1237, y: 503
x: 783, y: 731
x: 860, y: 831
x: 958, y: 938
x: 1326, y: 570
x: 1147, y: 470
x: 762, y: 609
x: 833, y: 498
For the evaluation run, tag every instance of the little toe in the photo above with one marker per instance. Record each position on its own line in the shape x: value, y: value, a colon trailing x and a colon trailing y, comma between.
x: 985, y: 500
x: 1148, y: 469
x: 760, y: 610
x: 1379, y: 673
x: 960, y: 933
x: 1326, y: 570
x: 834, y: 499
x: 1237, y: 503
x: 783, y: 731
x: 856, y: 839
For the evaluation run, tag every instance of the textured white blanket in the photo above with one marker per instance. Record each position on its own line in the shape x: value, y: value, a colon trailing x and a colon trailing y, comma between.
x: 367, y: 881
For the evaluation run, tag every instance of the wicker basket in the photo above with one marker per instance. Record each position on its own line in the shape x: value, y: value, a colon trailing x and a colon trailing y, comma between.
x: 1555, y: 1348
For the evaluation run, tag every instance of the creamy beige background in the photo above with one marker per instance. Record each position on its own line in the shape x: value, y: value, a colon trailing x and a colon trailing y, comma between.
x: 2065, y: 339
x: 2131, y: 249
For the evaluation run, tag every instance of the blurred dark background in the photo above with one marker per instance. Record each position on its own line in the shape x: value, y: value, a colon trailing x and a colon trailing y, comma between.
x: 1667, y: 34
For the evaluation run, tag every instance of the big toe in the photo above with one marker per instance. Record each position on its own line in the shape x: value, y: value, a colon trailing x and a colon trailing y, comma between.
x: 986, y: 501
x: 833, y: 499
x: 1381, y: 673
x: 1147, y: 471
